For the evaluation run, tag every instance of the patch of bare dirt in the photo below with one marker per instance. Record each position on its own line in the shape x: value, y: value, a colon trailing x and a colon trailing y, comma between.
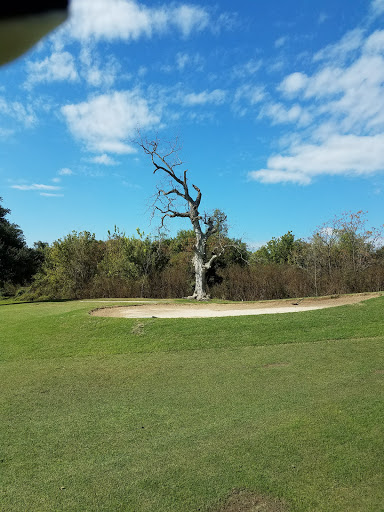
x: 207, y: 309
x: 244, y: 501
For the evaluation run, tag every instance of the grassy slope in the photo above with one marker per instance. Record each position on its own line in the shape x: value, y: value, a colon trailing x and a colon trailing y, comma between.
x: 170, y: 415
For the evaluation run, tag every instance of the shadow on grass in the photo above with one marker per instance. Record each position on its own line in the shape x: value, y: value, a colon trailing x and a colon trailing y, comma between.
x: 11, y: 302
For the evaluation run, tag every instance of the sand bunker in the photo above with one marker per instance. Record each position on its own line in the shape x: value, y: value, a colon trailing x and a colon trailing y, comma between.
x: 140, y: 309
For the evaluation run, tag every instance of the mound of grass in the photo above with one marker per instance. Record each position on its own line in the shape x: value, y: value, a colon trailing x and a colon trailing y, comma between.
x: 172, y: 415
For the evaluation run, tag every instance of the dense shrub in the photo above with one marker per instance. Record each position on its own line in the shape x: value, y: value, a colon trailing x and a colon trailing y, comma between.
x: 340, y: 258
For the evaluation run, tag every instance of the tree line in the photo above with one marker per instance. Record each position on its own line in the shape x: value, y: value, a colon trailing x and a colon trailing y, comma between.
x: 342, y: 256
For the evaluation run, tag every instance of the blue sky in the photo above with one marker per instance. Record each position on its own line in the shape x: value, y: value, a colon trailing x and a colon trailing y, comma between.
x: 279, y: 106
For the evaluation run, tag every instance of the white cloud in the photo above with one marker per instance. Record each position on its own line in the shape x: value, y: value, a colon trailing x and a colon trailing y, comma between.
x: 276, y: 66
x: 36, y: 186
x: 341, y: 154
x: 280, y: 114
x: 184, y: 59
x: 226, y: 21
x: 339, y: 51
x: 377, y: 7
x: 338, y: 111
x: 98, y: 74
x: 106, y: 122
x: 273, y: 176
x: 129, y: 20
x: 115, y: 146
x: 18, y: 112
x: 142, y: 71
x: 65, y: 172
x: 103, y: 159
x: 252, y: 93
x: 189, y: 18
x: 45, y: 194
x: 6, y: 132
x: 352, y: 96
x: 375, y: 43
x: 326, y: 82
x: 59, y: 66
x: 216, y: 97
x: 293, y: 83
x: 131, y: 185
x: 247, y: 69
x: 280, y: 42
x: 247, y: 95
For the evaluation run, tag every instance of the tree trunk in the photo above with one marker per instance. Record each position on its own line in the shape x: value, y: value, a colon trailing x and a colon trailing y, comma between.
x: 166, y: 204
x: 200, y: 292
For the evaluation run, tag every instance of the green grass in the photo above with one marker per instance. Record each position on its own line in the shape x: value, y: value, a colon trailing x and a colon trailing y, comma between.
x: 104, y: 414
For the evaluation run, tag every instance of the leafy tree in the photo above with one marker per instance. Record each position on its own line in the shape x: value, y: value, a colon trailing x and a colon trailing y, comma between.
x: 339, y: 252
x: 379, y: 255
x: 278, y: 250
x: 18, y: 262
x: 149, y: 255
x: 356, y: 243
x: 119, y: 261
x: 70, y: 265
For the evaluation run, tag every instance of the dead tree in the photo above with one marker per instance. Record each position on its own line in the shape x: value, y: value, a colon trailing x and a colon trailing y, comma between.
x: 171, y: 201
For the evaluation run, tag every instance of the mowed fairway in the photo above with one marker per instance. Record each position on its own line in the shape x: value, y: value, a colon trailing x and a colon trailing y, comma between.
x: 158, y: 415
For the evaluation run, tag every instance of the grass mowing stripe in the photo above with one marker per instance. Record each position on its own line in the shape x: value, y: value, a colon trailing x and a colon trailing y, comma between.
x: 177, y: 431
x: 95, y: 417
x: 65, y: 329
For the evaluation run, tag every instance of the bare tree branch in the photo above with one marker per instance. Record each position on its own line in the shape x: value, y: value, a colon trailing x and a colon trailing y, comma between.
x: 208, y: 265
x: 173, y: 191
x: 165, y: 203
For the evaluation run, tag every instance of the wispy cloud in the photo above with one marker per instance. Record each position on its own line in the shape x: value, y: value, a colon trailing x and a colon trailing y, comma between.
x: 247, y: 96
x: 46, y: 194
x: 6, y: 132
x: 280, y: 41
x: 216, y: 97
x: 62, y: 172
x: 247, y: 69
x: 58, y: 67
x: 340, y: 155
x: 128, y: 20
x: 280, y: 114
x: 107, y: 122
x: 184, y: 60
x: 36, y: 186
x: 97, y: 72
x: 131, y: 185
x: 340, y: 109
x: 339, y: 51
x: 377, y: 7
x: 104, y: 159
x: 65, y: 172
x: 23, y: 115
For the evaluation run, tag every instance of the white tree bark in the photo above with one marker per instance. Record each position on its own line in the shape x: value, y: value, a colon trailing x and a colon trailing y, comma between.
x: 199, y: 257
x: 165, y: 204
